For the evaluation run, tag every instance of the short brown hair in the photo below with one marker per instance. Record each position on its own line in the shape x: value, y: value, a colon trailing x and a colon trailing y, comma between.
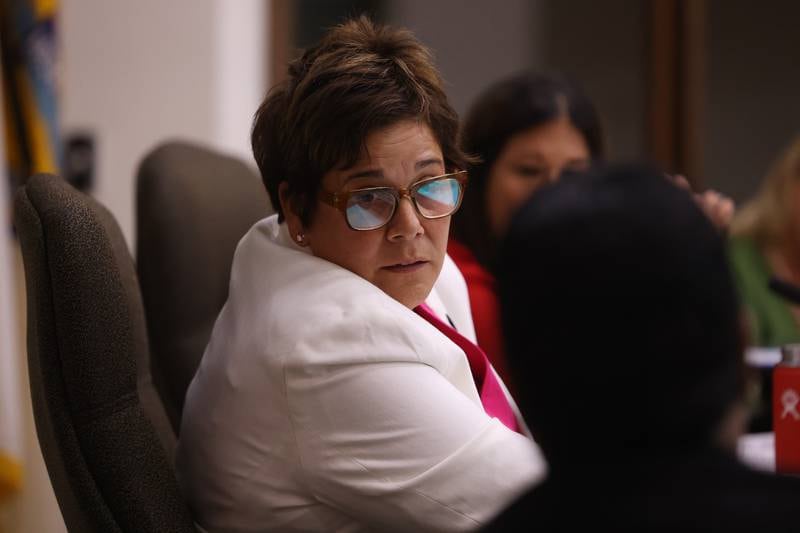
x: 360, y: 77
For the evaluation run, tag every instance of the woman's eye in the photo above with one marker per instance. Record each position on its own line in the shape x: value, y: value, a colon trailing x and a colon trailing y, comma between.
x: 364, y: 198
x: 530, y: 172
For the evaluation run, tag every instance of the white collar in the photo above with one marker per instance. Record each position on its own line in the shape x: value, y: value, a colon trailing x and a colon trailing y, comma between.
x: 281, y: 235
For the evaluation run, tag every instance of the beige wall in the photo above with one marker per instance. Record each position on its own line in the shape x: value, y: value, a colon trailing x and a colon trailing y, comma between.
x: 137, y: 73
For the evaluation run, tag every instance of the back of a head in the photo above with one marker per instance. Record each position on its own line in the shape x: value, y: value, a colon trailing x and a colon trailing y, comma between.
x: 620, y: 316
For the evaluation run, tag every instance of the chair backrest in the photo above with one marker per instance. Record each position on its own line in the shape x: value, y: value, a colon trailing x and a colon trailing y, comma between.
x: 192, y: 207
x: 85, y: 333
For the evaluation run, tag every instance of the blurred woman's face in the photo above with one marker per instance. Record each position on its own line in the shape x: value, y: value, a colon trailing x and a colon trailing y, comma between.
x: 404, y: 257
x: 529, y: 160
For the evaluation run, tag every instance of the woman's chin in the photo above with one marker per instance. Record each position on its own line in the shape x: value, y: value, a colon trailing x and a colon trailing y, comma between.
x: 410, y: 295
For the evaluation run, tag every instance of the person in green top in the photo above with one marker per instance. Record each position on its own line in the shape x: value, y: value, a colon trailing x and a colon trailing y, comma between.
x: 765, y: 242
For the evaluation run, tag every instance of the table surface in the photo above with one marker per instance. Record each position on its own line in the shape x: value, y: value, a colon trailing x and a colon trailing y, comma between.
x: 757, y: 450
x: 761, y: 357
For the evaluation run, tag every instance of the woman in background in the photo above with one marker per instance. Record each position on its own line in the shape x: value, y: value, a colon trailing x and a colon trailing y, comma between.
x: 526, y: 130
x: 766, y: 242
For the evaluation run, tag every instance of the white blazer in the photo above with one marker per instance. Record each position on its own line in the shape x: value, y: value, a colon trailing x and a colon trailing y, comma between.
x: 322, y: 404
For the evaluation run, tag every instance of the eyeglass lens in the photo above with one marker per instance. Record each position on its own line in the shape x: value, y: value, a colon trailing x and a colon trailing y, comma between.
x: 438, y: 198
x: 373, y: 208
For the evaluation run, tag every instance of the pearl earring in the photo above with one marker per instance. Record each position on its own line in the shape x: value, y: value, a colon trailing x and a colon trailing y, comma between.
x: 300, y: 237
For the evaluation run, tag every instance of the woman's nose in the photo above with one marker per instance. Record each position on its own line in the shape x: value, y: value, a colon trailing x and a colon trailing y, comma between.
x: 405, y: 223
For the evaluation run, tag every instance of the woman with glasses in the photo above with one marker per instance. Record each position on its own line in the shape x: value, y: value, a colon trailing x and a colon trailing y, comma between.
x: 342, y: 389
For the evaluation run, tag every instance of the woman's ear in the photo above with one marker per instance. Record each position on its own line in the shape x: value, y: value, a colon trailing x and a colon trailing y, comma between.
x: 293, y: 220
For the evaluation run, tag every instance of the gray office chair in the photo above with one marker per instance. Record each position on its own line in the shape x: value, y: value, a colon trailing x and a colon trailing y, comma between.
x: 86, y: 338
x: 192, y: 207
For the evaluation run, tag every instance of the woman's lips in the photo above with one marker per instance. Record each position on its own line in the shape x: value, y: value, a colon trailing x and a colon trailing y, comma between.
x: 406, y: 267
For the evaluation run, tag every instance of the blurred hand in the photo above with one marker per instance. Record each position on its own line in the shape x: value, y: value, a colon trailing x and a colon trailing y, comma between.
x: 717, y: 207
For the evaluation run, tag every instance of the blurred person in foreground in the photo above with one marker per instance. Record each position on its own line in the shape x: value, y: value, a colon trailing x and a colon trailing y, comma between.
x: 525, y: 130
x: 623, y: 329
x: 765, y: 242
x: 341, y: 389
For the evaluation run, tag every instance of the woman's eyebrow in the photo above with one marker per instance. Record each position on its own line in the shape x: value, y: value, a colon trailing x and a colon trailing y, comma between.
x: 428, y: 162
x: 368, y: 173
x: 377, y: 173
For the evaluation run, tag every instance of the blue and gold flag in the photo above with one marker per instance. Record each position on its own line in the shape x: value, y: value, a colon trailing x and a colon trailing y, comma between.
x: 28, y: 44
x: 30, y: 142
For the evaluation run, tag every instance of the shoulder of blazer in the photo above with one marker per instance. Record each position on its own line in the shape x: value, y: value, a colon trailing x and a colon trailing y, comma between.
x: 283, y: 300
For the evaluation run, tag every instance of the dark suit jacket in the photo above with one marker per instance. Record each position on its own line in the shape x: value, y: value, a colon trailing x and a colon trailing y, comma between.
x: 709, y: 491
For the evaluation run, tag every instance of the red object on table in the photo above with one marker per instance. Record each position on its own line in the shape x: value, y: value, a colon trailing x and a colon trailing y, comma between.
x: 786, y: 411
